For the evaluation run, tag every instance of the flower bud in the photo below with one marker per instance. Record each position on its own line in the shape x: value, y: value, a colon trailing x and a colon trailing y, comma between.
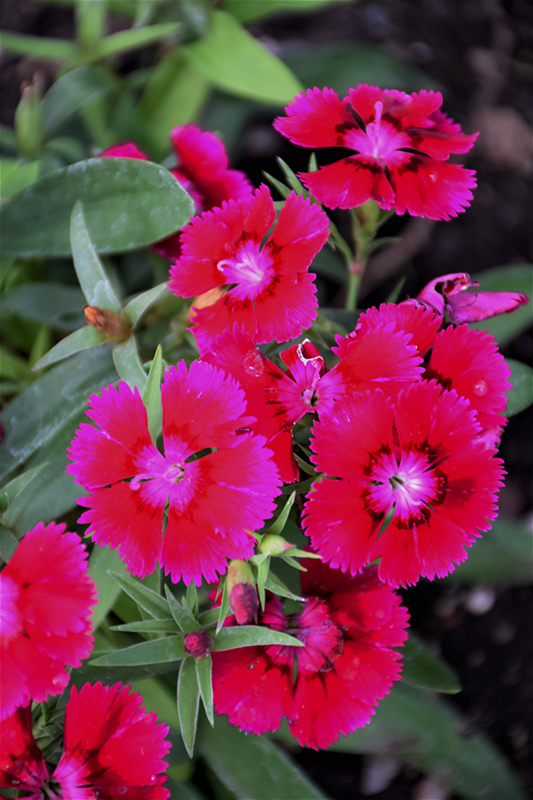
x: 108, y: 322
x: 29, y: 125
x: 274, y: 545
x: 242, y: 593
x: 197, y: 644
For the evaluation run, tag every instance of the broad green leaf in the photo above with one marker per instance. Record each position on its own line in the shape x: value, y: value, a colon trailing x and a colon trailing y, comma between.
x: 8, y: 544
x: 252, y: 766
x: 128, y: 364
x: 343, y: 65
x: 72, y: 91
x: 252, y: 10
x: 251, y: 71
x: 51, y: 304
x: 509, y: 278
x: 174, y: 95
x: 503, y: 555
x: 183, y: 617
x: 151, y: 395
x: 49, y: 410
x: 204, y: 668
x: 101, y: 561
x: 16, y: 175
x: 250, y: 636
x: 148, y: 626
x: 10, y: 491
x: 124, y: 41
x: 520, y: 395
x: 37, y: 46
x: 136, y: 307
x: 82, y: 339
x: 428, y: 734
x: 94, y: 282
x: 426, y: 671
x: 188, y: 702
x: 157, y: 651
x: 127, y: 203
x: 152, y: 602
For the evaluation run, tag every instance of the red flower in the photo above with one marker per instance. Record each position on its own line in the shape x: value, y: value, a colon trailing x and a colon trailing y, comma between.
x: 269, y: 290
x: 419, y: 460
x: 202, y: 170
x: 349, y: 627
x: 448, y: 295
x: 45, y: 601
x: 219, y: 480
x: 112, y: 749
x: 399, y: 143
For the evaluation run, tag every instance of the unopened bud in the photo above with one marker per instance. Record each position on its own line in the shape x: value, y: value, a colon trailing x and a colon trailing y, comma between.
x: 108, y: 322
x: 197, y: 644
x: 29, y: 125
x: 274, y: 545
x: 242, y: 593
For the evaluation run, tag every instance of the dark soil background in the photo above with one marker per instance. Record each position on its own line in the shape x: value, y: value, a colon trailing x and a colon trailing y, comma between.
x: 482, y: 54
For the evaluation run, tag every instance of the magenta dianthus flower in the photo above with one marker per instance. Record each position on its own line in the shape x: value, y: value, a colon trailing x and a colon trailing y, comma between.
x: 266, y: 286
x: 218, y: 479
x: 449, y: 294
x: 400, y: 145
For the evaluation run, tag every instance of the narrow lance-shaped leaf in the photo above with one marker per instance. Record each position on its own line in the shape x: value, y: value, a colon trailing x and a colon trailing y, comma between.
x: 151, y: 395
x: 192, y: 598
x: 279, y: 524
x: 183, y: 617
x: 426, y: 671
x: 520, y: 395
x: 8, y: 544
x: 250, y: 636
x: 152, y: 602
x: 9, y: 492
x: 128, y: 364
x: 136, y: 307
x: 130, y: 39
x: 77, y: 342
x: 101, y: 561
x: 188, y: 703
x: 204, y: 669
x: 93, y: 280
x: 157, y: 651
x: 148, y: 626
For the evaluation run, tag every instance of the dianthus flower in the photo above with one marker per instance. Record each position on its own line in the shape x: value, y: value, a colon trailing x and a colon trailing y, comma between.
x: 449, y: 295
x: 202, y: 170
x: 267, y: 287
x: 400, y: 145
x: 112, y: 749
x: 45, y: 605
x: 218, y: 479
x: 418, y: 465
x: 349, y: 626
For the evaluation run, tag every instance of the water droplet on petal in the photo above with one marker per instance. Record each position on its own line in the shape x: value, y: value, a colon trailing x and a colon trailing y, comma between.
x: 481, y: 388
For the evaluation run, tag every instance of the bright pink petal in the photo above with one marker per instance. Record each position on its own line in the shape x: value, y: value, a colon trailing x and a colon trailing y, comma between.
x: 433, y: 189
x: 349, y: 183
x: 126, y: 150
x: 21, y: 762
x: 315, y: 119
x: 407, y: 317
x: 301, y: 231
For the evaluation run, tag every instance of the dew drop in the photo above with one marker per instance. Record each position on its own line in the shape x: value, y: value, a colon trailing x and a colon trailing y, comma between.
x: 481, y: 388
x: 122, y: 789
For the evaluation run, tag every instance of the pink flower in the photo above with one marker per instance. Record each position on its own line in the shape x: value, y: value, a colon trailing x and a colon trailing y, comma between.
x: 45, y: 604
x: 218, y: 479
x: 202, y: 170
x: 330, y: 686
x: 112, y: 749
x: 268, y: 289
x: 400, y: 145
x: 417, y: 464
x: 449, y: 295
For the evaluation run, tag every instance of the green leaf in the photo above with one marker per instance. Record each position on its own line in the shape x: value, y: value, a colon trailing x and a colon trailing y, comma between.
x: 151, y: 395
x: 123, y: 41
x: 503, y: 555
x: 252, y: 10
x: 252, y: 766
x: 50, y: 304
x: 279, y: 524
x: 101, y: 561
x: 273, y: 584
x: 128, y: 203
x: 82, y: 339
x: 93, y: 280
x: 70, y: 93
x: 49, y: 410
x: 188, y: 703
x: 191, y: 598
x: 8, y: 544
x: 136, y: 307
x: 262, y: 575
x: 10, y: 491
x: 426, y: 671
x: 148, y: 626
x: 16, y: 175
x: 208, y: 618
x: 157, y: 651
x: 250, y: 636
x: 128, y: 364
x: 510, y: 278
x: 204, y: 668
x: 183, y: 617
x: 37, y: 46
x: 520, y: 395
x: 251, y: 71
x: 428, y: 734
x: 152, y: 602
